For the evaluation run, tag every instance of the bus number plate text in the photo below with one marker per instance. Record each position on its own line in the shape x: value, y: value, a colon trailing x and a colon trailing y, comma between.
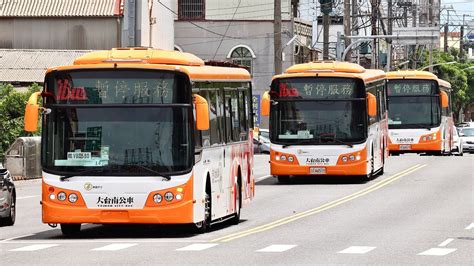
x: 405, y: 147
x: 317, y: 170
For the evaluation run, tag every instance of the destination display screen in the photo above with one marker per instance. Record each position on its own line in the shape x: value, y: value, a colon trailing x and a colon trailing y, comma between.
x: 407, y: 87
x: 317, y: 88
x: 115, y: 87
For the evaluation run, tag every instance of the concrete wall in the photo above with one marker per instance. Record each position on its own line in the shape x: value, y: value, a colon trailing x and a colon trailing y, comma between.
x: 248, y: 9
x: 58, y: 33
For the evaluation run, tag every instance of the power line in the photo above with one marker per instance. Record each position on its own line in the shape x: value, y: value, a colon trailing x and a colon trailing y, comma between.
x: 198, y: 26
x: 219, y: 46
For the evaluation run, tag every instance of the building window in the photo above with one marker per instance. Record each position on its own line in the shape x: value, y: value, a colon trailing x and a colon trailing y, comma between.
x: 191, y: 9
x: 242, y: 56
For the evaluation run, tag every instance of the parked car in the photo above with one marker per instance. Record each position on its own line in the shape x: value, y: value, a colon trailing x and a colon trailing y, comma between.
x: 457, y: 143
x: 465, y: 124
x: 7, y: 198
x: 467, y: 136
x: 262, y: 142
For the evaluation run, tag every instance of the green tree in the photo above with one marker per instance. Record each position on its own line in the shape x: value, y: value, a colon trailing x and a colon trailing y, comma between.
x: 12, y: 110
x: 461, y: 79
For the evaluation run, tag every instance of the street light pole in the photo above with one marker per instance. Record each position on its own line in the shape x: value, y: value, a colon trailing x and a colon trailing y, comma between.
x: 439, y: 64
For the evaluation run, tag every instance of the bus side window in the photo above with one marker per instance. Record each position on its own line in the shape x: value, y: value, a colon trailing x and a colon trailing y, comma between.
x: 243, y: 111
x: 215, y: 114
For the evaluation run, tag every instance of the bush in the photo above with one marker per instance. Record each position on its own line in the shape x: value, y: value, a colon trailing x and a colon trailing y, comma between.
x: 12, y: 110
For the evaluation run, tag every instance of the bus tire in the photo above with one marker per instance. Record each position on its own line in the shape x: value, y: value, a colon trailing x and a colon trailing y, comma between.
x: 372, y: 165
x: 238, y: 203
x: 284, y: 179
x: 70, y: 229
x: 204, y: 225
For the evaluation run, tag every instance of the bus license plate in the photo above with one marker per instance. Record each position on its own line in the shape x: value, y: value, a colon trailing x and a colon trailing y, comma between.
x: 317, y: 170
x: 405, y: 147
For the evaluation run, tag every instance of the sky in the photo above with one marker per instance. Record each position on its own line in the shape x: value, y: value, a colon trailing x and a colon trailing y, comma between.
x: 460, y: 7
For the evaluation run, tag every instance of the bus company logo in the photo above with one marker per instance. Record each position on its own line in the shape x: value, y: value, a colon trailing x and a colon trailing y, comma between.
x: 302, y: 152
x: 88, y: 186
x: 405, y: 140
x: 317, y: 161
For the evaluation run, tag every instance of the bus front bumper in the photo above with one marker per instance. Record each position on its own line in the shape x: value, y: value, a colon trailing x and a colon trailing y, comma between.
x: 415, y: 148
x: 178, y: 213
x: 357, y: 168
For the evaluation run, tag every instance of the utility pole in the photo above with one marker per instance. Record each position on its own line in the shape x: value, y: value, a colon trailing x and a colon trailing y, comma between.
x: 446, y: 31
x: 347, y: 27
x: 373, y: 21
x: 413, y: 13
x: 355, y: 31
x: 326, y: 5
x: 277, y: 37
x: 430, y: 23
x: 389, y: 32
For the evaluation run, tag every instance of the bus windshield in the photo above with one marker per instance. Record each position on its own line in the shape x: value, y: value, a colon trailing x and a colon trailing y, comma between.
x: 333, y: 115
x: 413, y: 104
x: 123, y: 136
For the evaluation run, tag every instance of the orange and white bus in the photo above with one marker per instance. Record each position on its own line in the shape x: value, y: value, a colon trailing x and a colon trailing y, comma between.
x: 420, y: 115
x: 139, y: 135
x: 327, y: 118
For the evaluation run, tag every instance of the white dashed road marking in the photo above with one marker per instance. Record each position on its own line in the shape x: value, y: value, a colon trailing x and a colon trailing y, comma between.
x: 357, y: 250
x: 437, y: 251
x: 446, y: 242
x: 113, y: 247
x: 469, y: 227
x: 35, y: 247
x: 197, y: 247
x: 262, y: 178
x: 276, y: 248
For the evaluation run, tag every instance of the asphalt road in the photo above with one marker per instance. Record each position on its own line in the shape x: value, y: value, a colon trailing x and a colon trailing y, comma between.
x: 419, y: 212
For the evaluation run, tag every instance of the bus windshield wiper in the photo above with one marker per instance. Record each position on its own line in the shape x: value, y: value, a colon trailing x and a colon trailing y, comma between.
x: 300, y: 141
x: 167, y: 177
x: 333, y: 138
x: 88, y: 171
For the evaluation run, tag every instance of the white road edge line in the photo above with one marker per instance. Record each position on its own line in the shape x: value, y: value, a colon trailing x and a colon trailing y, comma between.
x: 15, y: 237
x: 276, y: 248
x: 437, y: 251
x: 262, y: 178
x: 27, y: 197
x: 446, y: 242
x: 469, y: 227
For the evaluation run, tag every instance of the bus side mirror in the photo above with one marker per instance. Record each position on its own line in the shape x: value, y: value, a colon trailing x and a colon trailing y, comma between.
x: 444, y: 100
x: 265, y: 104
x: 202, y: 112
x: 31, y: 113
x: 371, y: 104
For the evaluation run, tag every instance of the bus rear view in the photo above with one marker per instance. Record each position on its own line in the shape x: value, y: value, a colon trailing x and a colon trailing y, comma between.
x: 419, y: 113
x: 327, y: 118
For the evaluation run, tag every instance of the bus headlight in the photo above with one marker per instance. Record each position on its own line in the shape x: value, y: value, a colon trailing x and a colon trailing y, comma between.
x: 157, y: 198
x: 61, y: 196
x: 290, y: 159
x: 169, y: 196
x: 179, y: 196
x: 283, y: 158
x: 344, y: 158
x: 72, y: 198
x: 352, y: 158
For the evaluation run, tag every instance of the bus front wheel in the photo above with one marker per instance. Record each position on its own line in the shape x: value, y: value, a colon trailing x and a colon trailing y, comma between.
x: 203, y: 226
x: 70, y: 229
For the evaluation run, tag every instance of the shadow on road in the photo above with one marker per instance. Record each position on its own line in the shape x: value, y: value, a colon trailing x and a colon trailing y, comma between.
x: 318, y: 180
x: 134, y: 231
